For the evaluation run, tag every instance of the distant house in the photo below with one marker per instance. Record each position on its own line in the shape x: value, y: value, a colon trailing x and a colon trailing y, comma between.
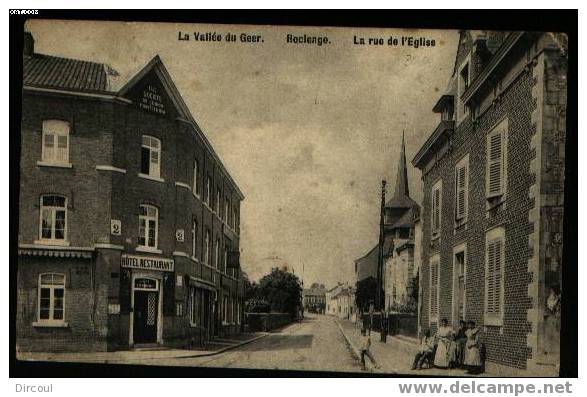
x: 341, y: 301
x: 314, y: 298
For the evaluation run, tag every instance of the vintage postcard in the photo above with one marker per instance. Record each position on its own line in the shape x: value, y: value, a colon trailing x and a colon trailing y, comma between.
x: 292, y: 197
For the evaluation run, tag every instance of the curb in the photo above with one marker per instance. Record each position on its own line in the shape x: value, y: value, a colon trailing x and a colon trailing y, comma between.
x: 354, y: 351
x: 225, y: 348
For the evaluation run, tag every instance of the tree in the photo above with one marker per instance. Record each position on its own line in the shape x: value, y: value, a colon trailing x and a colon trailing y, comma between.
x: 366, y: 293
x: 282, y: 290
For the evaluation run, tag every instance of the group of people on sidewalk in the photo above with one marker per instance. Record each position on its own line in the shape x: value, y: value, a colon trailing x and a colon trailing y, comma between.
x: 450, y: 349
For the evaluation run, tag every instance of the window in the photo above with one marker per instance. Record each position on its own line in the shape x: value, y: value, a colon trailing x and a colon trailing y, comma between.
x: 217, y: 252
x: 51, y: 297
x: 434, y: 281
x: 465, y: 77
x: 496, y: 162
x: 234, y: 218
x: 463, y: 82
x: 207, y: 247
x: 55, y: 142
x: 226, y: 210
x: 226, y: 260
x: 148, y: 226
x: 208, y: 190
x: 151, y: 156
x: 217, y: 203
x: 195, y: 182
x: 462, y: 189
x: 436, y: 207
x: 53, y: 219
x: 494, y: 271
x: 238, y: 312
x: 179, y: 309
x: 194, y: 237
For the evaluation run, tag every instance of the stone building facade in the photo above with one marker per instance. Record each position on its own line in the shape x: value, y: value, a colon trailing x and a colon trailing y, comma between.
x: 129, y: 222
x: 493, y: 180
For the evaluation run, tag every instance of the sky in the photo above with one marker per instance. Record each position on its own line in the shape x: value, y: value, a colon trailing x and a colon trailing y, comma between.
x: 308, y: 132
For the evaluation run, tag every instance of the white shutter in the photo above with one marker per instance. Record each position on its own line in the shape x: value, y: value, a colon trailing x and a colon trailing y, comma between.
x: 495, y: 164
x: 461, y: 192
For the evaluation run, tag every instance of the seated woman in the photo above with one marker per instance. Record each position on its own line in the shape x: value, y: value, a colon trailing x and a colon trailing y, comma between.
x: 444, y: 351
x: 425, y: 351
x: 473, y: 362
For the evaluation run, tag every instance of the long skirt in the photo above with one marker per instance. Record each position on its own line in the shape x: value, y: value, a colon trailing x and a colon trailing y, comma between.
x: 472, y: 355
x: 444, y: 354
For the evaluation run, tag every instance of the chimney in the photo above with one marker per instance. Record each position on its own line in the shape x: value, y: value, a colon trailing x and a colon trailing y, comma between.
x: 28, y: 48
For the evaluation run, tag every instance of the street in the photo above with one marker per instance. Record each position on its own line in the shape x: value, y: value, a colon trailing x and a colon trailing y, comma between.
x: 315, y: 343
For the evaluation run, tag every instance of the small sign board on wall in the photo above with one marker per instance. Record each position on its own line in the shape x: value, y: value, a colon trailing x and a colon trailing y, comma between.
x: 115, y: 227
x: 180, y: 235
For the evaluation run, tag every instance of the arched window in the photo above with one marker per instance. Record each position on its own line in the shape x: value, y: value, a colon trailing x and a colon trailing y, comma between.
x: 148, y: 226
x: 51, y: 297
x: 151, y: 156
x: 55, y: 142
x: 53, y: 219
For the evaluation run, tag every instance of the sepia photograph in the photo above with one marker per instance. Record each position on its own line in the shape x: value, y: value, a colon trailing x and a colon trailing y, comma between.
x: 347, y: 200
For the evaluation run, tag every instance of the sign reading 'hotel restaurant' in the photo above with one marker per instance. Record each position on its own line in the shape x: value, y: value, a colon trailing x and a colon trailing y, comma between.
x: 146, y: 263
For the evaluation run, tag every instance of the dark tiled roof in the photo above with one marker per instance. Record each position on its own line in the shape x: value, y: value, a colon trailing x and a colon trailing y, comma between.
x: 367, y: 265
x: 62, y: 73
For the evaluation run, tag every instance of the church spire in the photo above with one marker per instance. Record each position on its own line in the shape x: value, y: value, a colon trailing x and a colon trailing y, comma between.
x: 401, y: 182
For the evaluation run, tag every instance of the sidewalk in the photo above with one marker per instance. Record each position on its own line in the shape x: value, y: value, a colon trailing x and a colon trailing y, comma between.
x: 395, y: 356
x: 148, y: 355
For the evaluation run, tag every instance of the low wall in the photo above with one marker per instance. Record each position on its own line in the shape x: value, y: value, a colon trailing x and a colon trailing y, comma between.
x: 266, y: 321
x: 397, y: 323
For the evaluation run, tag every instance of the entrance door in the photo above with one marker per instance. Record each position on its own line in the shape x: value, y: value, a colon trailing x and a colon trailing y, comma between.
x: 146, y: 311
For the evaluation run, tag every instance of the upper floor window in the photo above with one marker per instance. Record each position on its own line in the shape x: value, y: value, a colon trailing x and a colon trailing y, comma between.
x: 151, y: 156
x: 217, y: 254
x: 208, y: 190
x: 463, y: 83
x: 195, y: 182
x: 234, y: 218
x: 436, y: 207
x: 148, y: 226
x: 226, y: 210
x: 51, y: 297
x: 226, y: 260
x: 495, y: 184
x: 207, y: 247
x: 217, y: 202
x: 53, y: 219
x: 462, y: 189
x: 55, y: 142
x: 194, y: 237
x: 494, y: 275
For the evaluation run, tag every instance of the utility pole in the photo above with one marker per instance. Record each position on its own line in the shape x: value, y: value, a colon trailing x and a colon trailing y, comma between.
x: 381, y: 242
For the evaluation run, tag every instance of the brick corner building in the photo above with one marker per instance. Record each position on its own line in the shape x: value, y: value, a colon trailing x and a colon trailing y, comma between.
x: 129, y: 222
x: 493, y: 181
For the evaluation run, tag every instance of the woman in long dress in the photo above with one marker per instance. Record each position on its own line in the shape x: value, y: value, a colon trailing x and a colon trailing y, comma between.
x: 444, y: 350
x: 472, y: 350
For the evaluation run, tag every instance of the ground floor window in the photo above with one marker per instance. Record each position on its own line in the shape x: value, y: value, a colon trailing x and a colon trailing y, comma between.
x: 51, y: 297
x: 225, y: 309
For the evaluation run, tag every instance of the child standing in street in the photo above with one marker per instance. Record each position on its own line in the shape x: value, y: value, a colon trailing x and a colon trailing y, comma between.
x: 365, y: 346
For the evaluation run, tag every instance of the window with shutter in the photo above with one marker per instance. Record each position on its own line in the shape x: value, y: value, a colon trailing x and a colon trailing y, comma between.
x: 461, y: 189
x: 496, y: 159
x: 494, y: 276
